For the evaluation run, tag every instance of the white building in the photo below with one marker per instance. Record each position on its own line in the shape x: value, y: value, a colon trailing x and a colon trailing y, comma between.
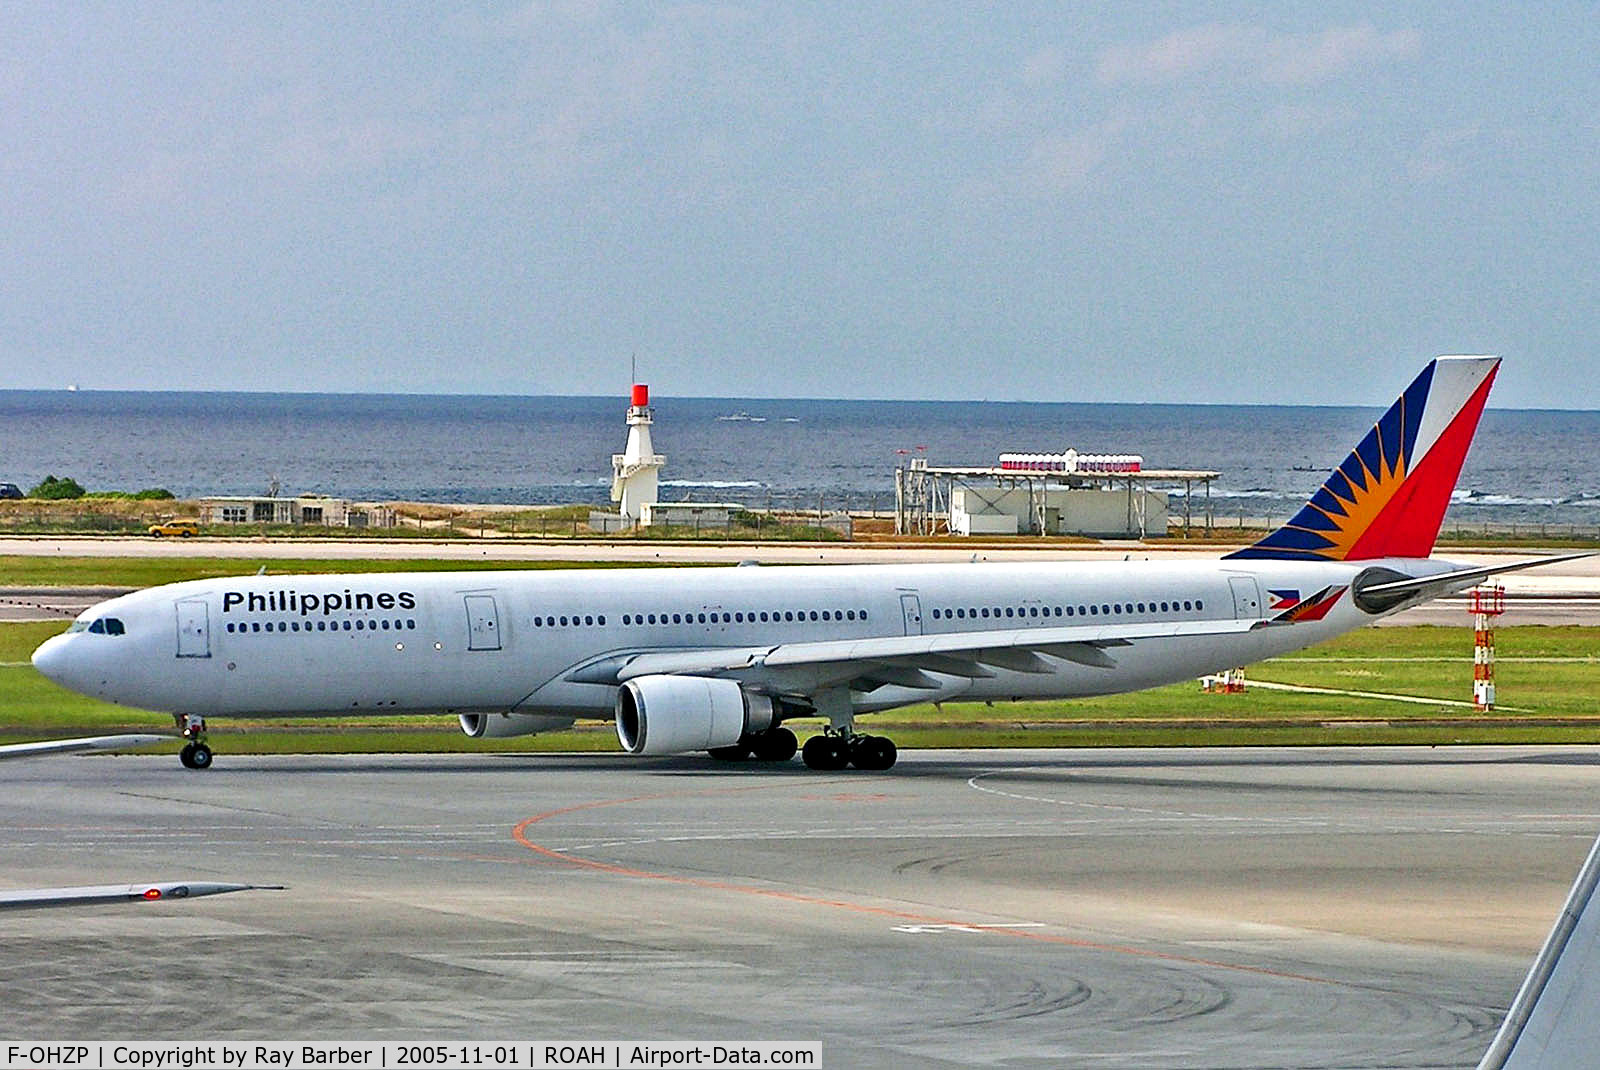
x: 313, y: 509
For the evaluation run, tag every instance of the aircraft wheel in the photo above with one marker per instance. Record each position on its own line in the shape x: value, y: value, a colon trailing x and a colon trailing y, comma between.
x: 201, y: 758
x: 776, y: 745
x: 826, y: 753
x: 873, y: 752
x: 186, y: 756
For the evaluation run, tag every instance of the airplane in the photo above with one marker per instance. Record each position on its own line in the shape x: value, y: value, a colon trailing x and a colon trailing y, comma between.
x: 715, y: 660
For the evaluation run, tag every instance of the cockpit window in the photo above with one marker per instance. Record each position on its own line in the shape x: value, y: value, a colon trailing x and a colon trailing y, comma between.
x: 98, y: 627
x: 113, y: 626
x: 103, y: 626
x: 78, y: 626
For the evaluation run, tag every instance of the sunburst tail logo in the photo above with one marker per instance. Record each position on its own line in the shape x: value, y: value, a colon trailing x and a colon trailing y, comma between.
x: 1389, y: 496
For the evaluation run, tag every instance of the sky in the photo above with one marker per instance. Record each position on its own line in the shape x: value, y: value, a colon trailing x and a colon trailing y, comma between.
x: 1296, y: 203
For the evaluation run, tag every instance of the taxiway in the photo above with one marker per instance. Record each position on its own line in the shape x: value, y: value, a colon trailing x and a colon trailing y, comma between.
x: 1154, y: 908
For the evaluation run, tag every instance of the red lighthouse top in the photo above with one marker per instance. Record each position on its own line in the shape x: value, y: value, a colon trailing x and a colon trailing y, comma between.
x: 641, y: 395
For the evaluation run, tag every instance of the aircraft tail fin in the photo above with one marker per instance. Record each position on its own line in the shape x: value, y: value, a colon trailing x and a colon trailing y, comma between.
x: 1389, y: 496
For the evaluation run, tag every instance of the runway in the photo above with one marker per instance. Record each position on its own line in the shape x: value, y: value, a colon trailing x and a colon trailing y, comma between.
x: 1567, y: 593
x: 1152, y: 908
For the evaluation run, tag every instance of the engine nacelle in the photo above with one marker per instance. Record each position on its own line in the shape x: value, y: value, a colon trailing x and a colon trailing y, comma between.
x: 679, y: 714
x: 505, y: 725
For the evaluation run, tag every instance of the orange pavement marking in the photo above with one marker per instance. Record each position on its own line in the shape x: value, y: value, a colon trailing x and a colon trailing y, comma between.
x: 520, y: 833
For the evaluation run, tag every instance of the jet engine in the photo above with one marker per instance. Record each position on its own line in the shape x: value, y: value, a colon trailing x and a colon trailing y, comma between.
x: 503, y: 725
x: 678, y: 714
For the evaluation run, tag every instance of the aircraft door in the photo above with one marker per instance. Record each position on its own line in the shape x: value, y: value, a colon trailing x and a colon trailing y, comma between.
x: 194, y: 628
x: 1246, y: 597
x: 911, y: 608
x: 483, y: 622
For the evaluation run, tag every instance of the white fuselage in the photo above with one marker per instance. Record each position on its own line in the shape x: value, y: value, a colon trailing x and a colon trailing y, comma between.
x: 520, y: 640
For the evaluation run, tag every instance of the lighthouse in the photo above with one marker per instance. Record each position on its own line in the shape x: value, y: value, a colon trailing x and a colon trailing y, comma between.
x: 633, y: 472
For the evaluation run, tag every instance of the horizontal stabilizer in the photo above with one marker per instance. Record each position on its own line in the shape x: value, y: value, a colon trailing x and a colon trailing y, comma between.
x: 1446, y: 582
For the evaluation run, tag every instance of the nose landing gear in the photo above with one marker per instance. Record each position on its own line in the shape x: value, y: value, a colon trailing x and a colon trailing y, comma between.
x: 195, y: 753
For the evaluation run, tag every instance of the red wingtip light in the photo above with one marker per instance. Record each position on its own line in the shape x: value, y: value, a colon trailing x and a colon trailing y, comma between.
x: 152, y: 893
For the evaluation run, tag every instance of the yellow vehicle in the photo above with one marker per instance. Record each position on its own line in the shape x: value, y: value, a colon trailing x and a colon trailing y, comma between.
x: 181, y: 528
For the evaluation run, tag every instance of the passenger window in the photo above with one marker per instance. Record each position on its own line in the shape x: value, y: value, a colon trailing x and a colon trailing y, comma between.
x: 1199, y: 604
x: 1094, y: 610
x: 588, y: 621
x: 347, y: 626
x: 411, y: 625
x: 602, y: 620
x: 230, y: 626
x: 813, y: 614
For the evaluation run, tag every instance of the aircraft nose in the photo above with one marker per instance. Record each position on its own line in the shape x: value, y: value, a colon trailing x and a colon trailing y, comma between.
x: 52, y: 658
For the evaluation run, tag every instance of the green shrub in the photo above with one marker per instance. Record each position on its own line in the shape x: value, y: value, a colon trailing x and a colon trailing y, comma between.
x: 53, y: 489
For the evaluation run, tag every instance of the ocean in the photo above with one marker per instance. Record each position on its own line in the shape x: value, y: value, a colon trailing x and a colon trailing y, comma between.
x: 1526, y: 467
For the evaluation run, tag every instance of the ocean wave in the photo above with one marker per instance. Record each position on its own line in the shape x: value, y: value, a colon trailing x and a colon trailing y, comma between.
x: 1477, y: 497
x: 716, y: 484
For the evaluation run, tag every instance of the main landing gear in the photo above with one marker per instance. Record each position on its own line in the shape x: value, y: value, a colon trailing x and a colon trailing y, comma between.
x: 774, y: 745
x: 832, y: 751
x: 195, y: 753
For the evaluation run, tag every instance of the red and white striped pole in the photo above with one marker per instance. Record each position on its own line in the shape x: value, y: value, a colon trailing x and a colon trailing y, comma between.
x: 1488, y: 602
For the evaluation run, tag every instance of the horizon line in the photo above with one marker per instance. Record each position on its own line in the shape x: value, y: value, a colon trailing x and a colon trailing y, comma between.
x: 750, y: 398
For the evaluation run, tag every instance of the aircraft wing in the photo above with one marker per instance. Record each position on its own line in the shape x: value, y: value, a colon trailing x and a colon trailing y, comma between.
x: 81, y: 743
x: 906, y: 660
x: 91, y: 894
x: 1551, y: 1024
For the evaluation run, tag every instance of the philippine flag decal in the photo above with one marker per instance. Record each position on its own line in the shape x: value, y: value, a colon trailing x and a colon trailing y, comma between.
x: 1284, y: 599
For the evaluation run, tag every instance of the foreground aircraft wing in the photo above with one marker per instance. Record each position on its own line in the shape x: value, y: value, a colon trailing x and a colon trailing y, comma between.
x: 81, y: 743
x: 91, y: 894
x: 1552, y: 1024
x: 906, y: 660
x: 1425, y: 587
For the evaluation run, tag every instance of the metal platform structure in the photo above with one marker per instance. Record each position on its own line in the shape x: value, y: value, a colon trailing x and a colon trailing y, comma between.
x: 923, y: 493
